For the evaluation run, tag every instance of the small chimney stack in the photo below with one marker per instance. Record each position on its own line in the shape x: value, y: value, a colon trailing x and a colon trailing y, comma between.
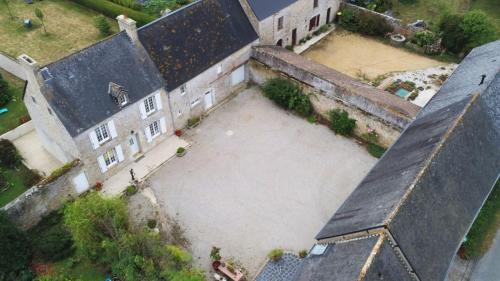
x: 129, y: 25
x: 30, y: 67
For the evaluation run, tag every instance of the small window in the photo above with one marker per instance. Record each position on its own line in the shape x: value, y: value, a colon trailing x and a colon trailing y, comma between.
x: 280, y: 23
x: 149, y: 104
x: 183, y: 89
x: 110, y: 157
x: 219, y: 69
x: 33, y: 99
x: 195, y: 102
x: 49, y: 110
x: 154, y: 128
x: 315, y: 3
x: 102, y: 133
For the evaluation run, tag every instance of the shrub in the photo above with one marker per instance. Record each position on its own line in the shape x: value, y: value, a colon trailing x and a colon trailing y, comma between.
x: 373, y: 25
x: 133, y: 4
x: 113, y: 10
x: 340, y: 122
x: 130, y: 190
x: 276, y: 255
x: 215, y: 254
x: 453, y: 38
x: 350, y: 20
x: 102, y: 24
x: 424, y: 38
x: 303, y: 254
x: 376, y: 150
x: 181, y: 150
x: 60, y: 171
x: 413, y: 95
x: 152, y: 223
x: 9, y: 157
x: 3, y: 182
x: 193, y: 122
x: 30, y: 177
x: 15, y: 250
x: 5, y: 94
x: 51, y: 240
x: 178, y: 255
x: 287, y: 95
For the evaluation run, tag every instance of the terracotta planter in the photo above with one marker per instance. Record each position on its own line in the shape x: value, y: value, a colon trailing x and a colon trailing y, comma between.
x: 178, y: 133
x: 216, y: 264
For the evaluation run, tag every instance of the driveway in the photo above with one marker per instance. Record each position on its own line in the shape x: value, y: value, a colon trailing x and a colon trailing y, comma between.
x: 257, y: 178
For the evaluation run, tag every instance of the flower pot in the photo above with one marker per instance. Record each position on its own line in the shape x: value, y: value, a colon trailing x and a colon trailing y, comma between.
x: 180, y: 154
x: 216, y: 264
x: 178, y: 133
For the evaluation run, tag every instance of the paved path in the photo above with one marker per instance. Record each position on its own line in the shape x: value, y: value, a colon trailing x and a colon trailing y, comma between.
x: 258, y: 178
x: 488, y: 267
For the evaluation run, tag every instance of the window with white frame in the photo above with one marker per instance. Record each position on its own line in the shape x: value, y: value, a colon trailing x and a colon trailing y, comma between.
x: 110, y: 157
x: 183, y: 89
x: 154, y: 128
x: 149, y: 105
x: 102, y: 133
x: 195, y: 102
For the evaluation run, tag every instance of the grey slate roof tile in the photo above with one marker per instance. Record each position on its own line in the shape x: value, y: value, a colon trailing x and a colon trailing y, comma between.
x: 265, y: 8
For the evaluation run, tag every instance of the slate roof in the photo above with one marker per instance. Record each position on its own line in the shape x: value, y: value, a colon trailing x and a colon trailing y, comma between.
x: 78, y: 89
x: 190, y: 40
x: 430, y: 185
x: 266, y: 8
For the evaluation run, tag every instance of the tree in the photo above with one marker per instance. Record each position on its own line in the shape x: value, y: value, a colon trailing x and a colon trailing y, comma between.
x: 452, y: 35
x: 101, y: 23
x: 40, y: 16
x: 478, y: 28
x: 6, y: 3
x: 15, y: 252
x: 5, y: 94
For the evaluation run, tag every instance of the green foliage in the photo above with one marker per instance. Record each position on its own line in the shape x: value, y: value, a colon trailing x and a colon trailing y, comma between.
x: 375, y: 5
x: 5, y: 94
x: 152, y: 223
x: 484, y: 227
x: 340, y: 122
x: 51, y: 240
x: 156, y: 6
x: 302, y: 254
x: 185, y: 275
x: 113, y: 10
x: 102, y: 24
x: 60, y: 171
x: 463, y: 33
x: 365, y: 23
x: 15, y: 251
x: 130, y: 190
x: 193, y: 122
x: 276, y: 254
x: 181, y: 150
x: 180, y: 257
x: 94, y: 221
x: 133, y: 4
x: 376, y: 150
x: 288, y: 95
x: 424, y: 38
x: 215, y: 254
x: 9, y: 157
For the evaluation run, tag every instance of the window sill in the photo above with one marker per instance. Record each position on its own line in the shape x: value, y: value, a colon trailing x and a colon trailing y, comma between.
x: 111, y: 165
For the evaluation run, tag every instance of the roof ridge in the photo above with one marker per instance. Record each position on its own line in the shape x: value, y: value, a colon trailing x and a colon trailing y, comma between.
x: 83, y: 49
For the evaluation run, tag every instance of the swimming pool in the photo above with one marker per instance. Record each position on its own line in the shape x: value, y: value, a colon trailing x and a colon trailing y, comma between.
x: 402, y: 93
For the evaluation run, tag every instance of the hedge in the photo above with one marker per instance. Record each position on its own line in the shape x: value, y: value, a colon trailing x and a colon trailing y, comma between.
x: 113, y: 10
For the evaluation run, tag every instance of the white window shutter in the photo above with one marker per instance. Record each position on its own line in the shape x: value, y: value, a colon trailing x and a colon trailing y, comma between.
x: 163, y: 125
x: 112, y: 129
x: 93, y: 140
x: 147, y: 132
x: 159, y: 105
x: 102, y: 164
x: 119, y: 153
x: 142, y: 108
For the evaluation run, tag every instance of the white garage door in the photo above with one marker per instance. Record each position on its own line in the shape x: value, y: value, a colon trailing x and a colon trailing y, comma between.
x: 81, y: 183
x: 238, y: 76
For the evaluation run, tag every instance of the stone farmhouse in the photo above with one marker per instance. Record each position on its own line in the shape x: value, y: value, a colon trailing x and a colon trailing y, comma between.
x: 286, y: 22
x: 112, y: 102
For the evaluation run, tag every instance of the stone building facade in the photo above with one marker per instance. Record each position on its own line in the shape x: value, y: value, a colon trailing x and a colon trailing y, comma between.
x: 286, y: 22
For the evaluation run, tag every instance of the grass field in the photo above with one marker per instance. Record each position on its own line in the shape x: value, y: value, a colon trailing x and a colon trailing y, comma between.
x: 69, y: 27
x: 17, y: 180
x: 431, y: 10
x: 10, y: 120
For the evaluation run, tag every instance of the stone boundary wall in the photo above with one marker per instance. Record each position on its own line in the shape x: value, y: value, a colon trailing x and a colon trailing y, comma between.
x: 18, y: 132
x: 387, y: 114
x: 397, y: 24
x: 12, y: 66
x: 40, y: 200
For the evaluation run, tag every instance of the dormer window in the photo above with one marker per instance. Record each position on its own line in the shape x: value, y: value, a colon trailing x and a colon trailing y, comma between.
x: 118, y: 93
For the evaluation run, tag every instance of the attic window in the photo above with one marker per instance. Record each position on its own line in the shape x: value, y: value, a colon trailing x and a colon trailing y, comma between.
x: 118, y: 93
x: 46, y: 75
x: 318, y: 249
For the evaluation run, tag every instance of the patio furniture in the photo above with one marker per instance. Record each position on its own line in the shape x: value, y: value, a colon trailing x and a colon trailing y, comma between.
x: 236, y: 276
x: 3, y: 110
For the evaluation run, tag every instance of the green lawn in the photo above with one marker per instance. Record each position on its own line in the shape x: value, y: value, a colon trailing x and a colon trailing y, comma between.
x: 69, y: 25
x: 19, y: 183
x: 10, y: 120
x: 81, y: 270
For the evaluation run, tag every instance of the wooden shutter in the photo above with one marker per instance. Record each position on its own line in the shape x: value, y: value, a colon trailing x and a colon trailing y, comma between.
x: 163, y: 125
x: 142, y: 109
x: 159, y: 105
x: 119, y: 153
x: 112, y: 129
x: 147, y: 132
x: 102, y: 164
x: 93, y: 140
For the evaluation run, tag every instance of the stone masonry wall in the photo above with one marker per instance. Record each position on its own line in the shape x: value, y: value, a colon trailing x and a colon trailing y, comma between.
x: 31, y: 206
x: 372, y: 108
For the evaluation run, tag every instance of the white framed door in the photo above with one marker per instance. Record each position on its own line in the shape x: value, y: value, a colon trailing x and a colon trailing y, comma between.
x: 209, y: 100
x: 134, y: 144
x: 81, y: 183
x: 238, y: 76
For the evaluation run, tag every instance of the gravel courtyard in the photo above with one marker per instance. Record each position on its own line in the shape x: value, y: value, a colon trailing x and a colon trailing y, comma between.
x: 257, y: 178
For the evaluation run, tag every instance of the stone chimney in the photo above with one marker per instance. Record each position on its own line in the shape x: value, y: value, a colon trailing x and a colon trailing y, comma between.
x: 129, y: 25
x: 30, y: 67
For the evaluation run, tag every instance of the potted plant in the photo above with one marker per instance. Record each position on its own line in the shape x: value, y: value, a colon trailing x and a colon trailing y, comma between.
x: 302, y: 254
x: 215, y: 256
x: 181, y: 151
x: 178, y: 133
x: 230, y: 267
x: 276, y: 254
x: 193, y: 122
